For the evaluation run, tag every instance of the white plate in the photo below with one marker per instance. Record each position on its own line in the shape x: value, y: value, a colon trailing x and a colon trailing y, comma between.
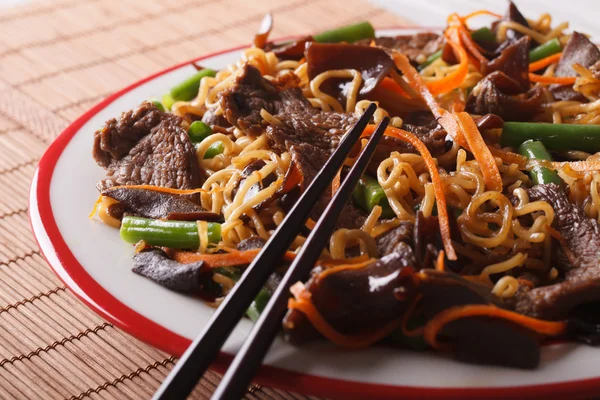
x: 92, y: 260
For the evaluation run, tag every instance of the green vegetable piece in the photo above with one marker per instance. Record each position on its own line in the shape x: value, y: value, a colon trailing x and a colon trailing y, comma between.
x: 430, y: 60
x: 167, y: 101
x: 174, y: 234
x: 188, y: 89
x: 350, y: 33
x: 214, y: 150
x: 199, y: 131
x: 260, y: 301
x: 553, y: 136
x: 368, y: 193
x: 158, y: 105
x: 483, y: 35
x: 258, y: 304
x: 535, y: 150
x: 545, y: 50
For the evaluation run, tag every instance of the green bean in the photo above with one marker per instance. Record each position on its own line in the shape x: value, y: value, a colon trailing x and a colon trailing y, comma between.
x: 535, y: 150
x: 368, y: 193
x: 258, y: 304
x: 260, y: 301
x: 214, y: 150
x: 199, y: 131
x: 350, y: 33
x: 545, y: 50
x: 188, y: 89
x: 430, y: 59
x: 553, y: 136
x: 174, y: 234
x: 483, y: 35
x: 167, y: 101
x: 158, y: 105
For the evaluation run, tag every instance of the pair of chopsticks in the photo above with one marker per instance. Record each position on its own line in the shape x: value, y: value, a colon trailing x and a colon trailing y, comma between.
x: 204, y: 349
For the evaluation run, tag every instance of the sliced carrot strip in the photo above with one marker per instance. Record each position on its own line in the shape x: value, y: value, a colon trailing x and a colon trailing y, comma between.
x: 485, y: 159
x: 544, y: 62
x: 439, y: 265
x: 346, y: 267
x: 438, y: 188
x: 578, y: 166
x: 388, y: 83
x: 232, y: 259
x: 480, y: 12
x: 437, y: 323
x: 561, y: 80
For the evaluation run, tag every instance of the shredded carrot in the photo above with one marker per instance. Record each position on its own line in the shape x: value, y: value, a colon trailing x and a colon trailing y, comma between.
x: 345, y: 267
x: 407, y: 315
x: 544, y: 62
x: 485, y: 159
x: 293, y: 178
x: 480, y: 12
x: 439, y: 265
x: 577, y: 166
x: 303, y: 303
x: 455, y: 78
x: 437, y: 323
x: 336, y: 182
x: 230, y: 259
x: 310, y: 223
x: 561, y: 80
x: 388, y: 83
x: 438, y: 188
x: 473, y: 48
x: 96, y: 206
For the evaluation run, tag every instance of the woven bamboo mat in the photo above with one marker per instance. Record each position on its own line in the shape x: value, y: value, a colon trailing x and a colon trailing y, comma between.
x: 57, y: 59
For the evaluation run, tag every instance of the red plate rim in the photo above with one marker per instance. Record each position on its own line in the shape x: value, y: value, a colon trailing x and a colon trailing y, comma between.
x: 74, y: 275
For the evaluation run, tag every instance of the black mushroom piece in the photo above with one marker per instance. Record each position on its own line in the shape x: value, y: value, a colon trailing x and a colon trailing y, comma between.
x: 476, y: 339
x: 578, y: 50
x: 146, y: 147
x: 581, y: 246
x: 352, y: 301
x: 499, y: 94
x: 155, y: 265
x: 514, y: 15
x: 373, y: 63
x: 158, y: 205
x: 513, y: 61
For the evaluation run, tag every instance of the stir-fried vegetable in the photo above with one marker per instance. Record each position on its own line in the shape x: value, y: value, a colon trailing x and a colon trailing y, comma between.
x: 350, y: 33
x: 430, y: 59
x: 199, y: 131
x: 368, y: 194
x: 214, y: 150
x: 535, y: 150
x: 158, y: 105
x: 483, y: 35
x: 545, y: 50
x: 188, y: 89
x: 174, y: 234
x: 167, y: 101
x: 553, y: 136
x: 260, y: 301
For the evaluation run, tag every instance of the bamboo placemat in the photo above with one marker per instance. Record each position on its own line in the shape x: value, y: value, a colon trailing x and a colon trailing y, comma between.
x: 57, y: 59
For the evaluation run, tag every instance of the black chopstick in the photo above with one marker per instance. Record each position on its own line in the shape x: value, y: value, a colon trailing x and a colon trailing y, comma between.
x: 249, y: 358
x: 203, y: 350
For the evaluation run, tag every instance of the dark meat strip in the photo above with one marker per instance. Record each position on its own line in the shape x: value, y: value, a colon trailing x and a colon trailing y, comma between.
x: 578, y: 50
x: 397, y: 240
x: 581, y: 283
x: 165, y: 157
x: 499, y: 94
x: 159, y: 205
x: 155, y: 265
x: 416, y: 47
x: 118, y: 137
x: 309, y: 160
